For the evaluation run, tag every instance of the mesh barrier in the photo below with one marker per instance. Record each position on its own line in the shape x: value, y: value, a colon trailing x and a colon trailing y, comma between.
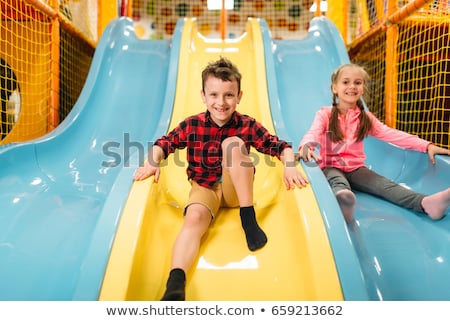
x: 75, y: 62
x: 406, y: 51
x: 288, y: 19
x: 403, y: 45
x: 45, y: 55
x: 44, y: 60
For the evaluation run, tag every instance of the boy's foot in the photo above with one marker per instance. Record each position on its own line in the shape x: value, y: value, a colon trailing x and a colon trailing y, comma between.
x: 174, y: 295
x: 435, y: 205
x: 346, y: 200
x: 256, y: 238
x: 175, y: 290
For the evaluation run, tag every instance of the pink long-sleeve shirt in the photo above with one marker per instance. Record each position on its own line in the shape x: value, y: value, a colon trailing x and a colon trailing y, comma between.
x: 348, y: 154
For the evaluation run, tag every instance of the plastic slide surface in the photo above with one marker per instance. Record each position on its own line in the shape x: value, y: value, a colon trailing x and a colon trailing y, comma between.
x: 403, y: 255
x: 296, y: 263
x: 61, y: 196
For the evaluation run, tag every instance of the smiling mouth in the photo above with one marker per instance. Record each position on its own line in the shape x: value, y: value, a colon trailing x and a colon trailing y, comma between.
x: 221, y: 110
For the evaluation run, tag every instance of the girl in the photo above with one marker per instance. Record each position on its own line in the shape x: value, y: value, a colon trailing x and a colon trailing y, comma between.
x: 340, y: 131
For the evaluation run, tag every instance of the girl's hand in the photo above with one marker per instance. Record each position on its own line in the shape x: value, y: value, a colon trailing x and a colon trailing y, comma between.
x: 433, y: 150
x: 307, y: 154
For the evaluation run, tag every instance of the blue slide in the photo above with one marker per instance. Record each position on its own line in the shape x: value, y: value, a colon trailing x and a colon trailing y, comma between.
x: 61, y: 196
x: 403, y: 255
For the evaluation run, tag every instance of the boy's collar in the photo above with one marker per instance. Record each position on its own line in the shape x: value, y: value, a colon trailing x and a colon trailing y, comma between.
x: 233, y: 120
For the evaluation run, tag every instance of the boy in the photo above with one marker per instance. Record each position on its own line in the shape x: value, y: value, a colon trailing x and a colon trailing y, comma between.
x: 220, y: 169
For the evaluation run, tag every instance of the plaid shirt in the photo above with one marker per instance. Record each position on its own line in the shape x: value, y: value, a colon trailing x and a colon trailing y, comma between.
x: 203, y: 139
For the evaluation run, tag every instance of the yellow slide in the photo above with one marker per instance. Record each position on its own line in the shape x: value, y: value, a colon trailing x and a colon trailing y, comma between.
x: 296, y: 263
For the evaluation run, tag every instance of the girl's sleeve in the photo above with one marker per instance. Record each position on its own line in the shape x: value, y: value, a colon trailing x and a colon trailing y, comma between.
x: 317, y: 129
x: 397, y: 137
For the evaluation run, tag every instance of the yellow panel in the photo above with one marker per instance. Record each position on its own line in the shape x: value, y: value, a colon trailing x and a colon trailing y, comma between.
x: 338, y: 12
x: 364, y: 24
x: 107, y: 11
x: 296, y: 263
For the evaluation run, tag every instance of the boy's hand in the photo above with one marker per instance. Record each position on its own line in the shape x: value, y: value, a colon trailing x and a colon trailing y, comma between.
x: 292, y: 178
x: 146, y: 171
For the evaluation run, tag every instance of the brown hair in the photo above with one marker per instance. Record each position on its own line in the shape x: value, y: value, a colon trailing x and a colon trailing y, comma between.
x: 223, y: 69
x: 364, y: 121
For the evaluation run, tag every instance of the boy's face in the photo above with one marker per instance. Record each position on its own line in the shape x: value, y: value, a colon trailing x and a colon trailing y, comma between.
x: 221, y: 98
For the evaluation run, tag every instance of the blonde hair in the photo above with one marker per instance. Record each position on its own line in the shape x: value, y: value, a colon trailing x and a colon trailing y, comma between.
x: 364, y: 121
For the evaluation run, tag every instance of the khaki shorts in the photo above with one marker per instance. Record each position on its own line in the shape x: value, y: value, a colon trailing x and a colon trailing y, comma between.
x: 222, y: 194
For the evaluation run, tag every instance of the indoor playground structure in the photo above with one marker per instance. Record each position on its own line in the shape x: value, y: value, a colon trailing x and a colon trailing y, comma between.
x: 87, y: 86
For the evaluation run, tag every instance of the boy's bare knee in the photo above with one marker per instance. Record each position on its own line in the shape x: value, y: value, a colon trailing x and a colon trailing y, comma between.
x: 197, y: 214
x: 235, y: 153
x: 230, y: 143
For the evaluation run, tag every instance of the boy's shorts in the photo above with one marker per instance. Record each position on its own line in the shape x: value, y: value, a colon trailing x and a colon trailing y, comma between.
x: 222, y: 194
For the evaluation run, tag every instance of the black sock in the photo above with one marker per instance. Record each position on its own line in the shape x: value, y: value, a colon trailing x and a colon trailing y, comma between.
x: 175, y: 288
x: 256, y: 238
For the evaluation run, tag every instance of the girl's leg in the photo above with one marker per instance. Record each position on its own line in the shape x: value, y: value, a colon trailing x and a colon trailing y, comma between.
x: 368, y: 181
x: 342, y: 190
x: 365, y: 180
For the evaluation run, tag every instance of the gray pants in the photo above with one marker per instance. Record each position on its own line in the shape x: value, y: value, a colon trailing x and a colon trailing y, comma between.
x: 365, y: 180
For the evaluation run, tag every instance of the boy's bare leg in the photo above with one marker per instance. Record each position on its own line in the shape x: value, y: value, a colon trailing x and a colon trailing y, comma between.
x: 241, y: 171
x: 185, y: 250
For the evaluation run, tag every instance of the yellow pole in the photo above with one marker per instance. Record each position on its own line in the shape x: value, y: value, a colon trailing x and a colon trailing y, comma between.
x: 394, y: 17
x: 338, y: 12
x: 345, y: 21
x: 45, y: 8
x: 51, y: 10
x: 391, y: 77
x: 107, y: 11
x: 130, y: 8
x: 223, y: 21
x: 317, y: 13
x: 57, y: 20
x: 405, y: 11
x: 53, y: 117
x: 62, y: 20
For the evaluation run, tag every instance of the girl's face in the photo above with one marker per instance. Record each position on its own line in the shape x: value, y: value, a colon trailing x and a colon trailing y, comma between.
x: 221, y: 98
x: 349, y: 86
